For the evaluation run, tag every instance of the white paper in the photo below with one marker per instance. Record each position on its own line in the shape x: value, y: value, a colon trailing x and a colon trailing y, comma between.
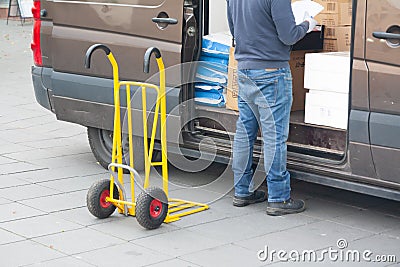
x: 300, y: 8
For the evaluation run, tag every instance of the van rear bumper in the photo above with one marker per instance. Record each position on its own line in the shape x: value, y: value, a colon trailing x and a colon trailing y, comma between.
x: 42, y: 93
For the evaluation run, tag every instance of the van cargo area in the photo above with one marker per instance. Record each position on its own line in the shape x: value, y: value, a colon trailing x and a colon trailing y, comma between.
x: 318, y: 125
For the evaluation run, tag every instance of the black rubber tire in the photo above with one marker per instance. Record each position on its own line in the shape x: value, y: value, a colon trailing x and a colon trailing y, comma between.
x: 100, y: 142
x: 143, y: 204
x: 93, y: 199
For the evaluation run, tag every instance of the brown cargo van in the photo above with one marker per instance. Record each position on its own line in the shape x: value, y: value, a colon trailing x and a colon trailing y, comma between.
x: 364, y: 157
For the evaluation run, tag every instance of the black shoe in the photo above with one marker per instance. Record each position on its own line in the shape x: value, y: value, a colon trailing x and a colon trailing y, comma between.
x: 287, y: 207
x: 256, y: 197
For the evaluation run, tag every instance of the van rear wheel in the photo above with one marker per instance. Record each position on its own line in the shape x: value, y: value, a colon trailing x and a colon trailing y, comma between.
x: 101, y: 142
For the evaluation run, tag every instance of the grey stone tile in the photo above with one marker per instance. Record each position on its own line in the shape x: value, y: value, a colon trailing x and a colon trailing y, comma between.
x: 5, y: 160
x: 15, y: 211
x: 322, y: 209
x: 4, y: 201
x: 227, y: 255
x: 83, y: 217
x: 313, y: 236
x: 73, y: 184
x: 31, y: 252
x: 17, y: 167
x: 122, y: 255
x: 9, y: 147
x: 40, y: 226
x: 62, y: 262
x: 47, y: 153
x: 389, y: 207
x: 379, y: 245
x: 127, y: 228
x: 248, y: 226
x: 174, y: 263
x: 78, y: 241
x: 27, y: 192
x: 178, y: 243
x: 10, y: 181
x: 59, y: 202
x: 66, y: 161
x: 225, y: 206
x: 394, y: 232
x: 370, y: 221
x: 8, y: 237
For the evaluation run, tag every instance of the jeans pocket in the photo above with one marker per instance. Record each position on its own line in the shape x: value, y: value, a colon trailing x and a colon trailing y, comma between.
x: 269, y: 90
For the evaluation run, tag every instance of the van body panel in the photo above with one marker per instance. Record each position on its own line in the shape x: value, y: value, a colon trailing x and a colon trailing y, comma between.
x: 359, y: 85
x: 383, y: 60
x: 359, y: 28
x: 361, y: 162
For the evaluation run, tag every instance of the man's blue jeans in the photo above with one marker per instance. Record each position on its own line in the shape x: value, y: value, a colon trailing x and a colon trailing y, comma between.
x: 265, y: 99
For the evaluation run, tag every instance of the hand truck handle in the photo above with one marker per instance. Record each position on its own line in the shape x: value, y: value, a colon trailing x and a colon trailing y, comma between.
x: 90, y: 51
x: 147, y: 56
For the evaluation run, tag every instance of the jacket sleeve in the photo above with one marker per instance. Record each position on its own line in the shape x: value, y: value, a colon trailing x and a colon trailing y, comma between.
x: 282, y: 14
x: 230, y: 20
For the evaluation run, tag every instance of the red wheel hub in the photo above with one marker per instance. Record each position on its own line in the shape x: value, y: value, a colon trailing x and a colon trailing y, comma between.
x: 103, y: 202
x: 156, y: 208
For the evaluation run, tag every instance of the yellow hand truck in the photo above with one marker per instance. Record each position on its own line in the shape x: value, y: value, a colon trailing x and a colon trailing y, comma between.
x: 153, y: 206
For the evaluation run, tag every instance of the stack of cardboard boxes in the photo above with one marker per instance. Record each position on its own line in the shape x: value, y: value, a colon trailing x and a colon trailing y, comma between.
x: 336, y: 17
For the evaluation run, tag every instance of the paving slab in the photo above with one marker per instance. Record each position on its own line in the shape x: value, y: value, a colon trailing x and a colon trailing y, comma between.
x: 248, y: 226
x: 369, y: 220
x: 83, y: 217
x: 59, y: 202
x: 40, y: 226
x: 30, y: 253
x: 127, y: 228
x: 9, y: 237
x: 73, y: 184
x: 227, y: 255
x: 6, y: 160
x: 174, y: 263
x: 61, y: 262
x: 178, y: 244
x: 29, y: 191
x: 4, y: 201
x: 79, y: 241
x: 11, y: 181
x: 16, y: 211
x: 17, y: 167
x: 314, y: 236
x: 124, y: 254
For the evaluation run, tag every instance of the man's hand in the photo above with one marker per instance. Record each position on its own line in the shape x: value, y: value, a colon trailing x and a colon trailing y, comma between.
x: 311, y: 22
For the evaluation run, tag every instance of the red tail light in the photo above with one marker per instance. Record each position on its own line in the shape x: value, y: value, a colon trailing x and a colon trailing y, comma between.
x: 35, y: 45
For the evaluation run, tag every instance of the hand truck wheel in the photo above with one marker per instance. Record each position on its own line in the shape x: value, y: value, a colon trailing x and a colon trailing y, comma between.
x: 151, y: 208
x: 96, y: 199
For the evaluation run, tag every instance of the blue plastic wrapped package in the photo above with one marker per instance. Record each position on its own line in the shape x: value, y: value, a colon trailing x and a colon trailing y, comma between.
x: 214, y: 98
x: 215, y: 63
x: 208, y: 87
x: 210, y: 76
x: 217, y: 45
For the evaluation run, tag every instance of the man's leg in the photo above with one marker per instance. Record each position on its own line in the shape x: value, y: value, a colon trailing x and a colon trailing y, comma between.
x: 246, y: 133
x: 275, y: 128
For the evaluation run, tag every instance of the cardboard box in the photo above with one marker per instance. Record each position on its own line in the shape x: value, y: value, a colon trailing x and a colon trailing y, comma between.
x: 339, y: 39
x: 327, y: 109
x: 331, y: 6
x: 327, y: 72
x: 297, y: 59
x: 340, y: 18
x: 346, y: 13
x: 232, y: 88
x: 338, y: 32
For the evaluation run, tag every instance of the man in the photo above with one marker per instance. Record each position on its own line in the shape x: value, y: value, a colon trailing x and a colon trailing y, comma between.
x: 264, y: 31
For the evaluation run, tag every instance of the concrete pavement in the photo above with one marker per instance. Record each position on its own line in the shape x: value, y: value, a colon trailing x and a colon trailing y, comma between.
x: 46, y: 168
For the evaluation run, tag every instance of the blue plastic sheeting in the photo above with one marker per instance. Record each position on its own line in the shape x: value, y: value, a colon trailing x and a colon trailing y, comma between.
x: 217, y: 45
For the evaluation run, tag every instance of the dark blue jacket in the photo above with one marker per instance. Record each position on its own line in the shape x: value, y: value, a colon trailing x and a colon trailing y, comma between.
x: 264, y: 31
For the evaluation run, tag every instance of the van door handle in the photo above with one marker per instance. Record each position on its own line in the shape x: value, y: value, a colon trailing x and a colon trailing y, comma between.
x: 165, y: 20
x: 385, y: 35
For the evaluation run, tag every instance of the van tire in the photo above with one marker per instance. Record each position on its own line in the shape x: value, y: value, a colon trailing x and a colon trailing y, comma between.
x: 100, y: 142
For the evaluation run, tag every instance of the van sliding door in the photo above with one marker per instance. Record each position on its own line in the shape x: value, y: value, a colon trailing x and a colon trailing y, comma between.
x: 383, y: 60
